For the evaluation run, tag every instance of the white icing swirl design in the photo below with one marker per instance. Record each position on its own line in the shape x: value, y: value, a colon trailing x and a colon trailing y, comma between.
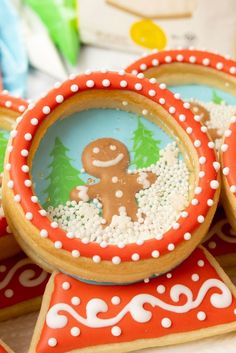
x: 26, y: 278
x: 217, y: 229
x: 55, y: 319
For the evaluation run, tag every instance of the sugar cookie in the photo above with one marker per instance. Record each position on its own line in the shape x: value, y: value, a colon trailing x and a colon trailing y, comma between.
x: 10, y: 109
x: 194, y: 301
x: 4, y: 348
x: 205, y: 79
x: 172, y: 167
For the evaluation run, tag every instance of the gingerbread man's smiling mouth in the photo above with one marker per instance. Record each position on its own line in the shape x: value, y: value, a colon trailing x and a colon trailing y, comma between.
x: 110, y: 163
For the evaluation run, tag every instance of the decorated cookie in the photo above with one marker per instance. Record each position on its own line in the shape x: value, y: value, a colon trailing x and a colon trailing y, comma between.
x: 194, y: 301
x: 111, y: 178
x: 221, y: 241
x: 229, y: 172
x: 4, y: 348
x: 22, y: 285
x: 206, y: 80
x: 10, y: 109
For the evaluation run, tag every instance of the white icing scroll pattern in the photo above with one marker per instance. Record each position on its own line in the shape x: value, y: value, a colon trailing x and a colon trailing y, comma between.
x: 217, y: 229
x: 56, y: 317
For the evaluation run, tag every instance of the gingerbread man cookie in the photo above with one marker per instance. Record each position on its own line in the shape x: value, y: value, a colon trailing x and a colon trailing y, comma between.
x: 207, y: 80
x: 108, y: 160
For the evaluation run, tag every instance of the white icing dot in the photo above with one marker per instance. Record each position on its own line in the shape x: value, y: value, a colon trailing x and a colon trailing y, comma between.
x: 144, y: 111
x: 115, y: 300
x: 114, y: 179
x: 46, y: 109
x: 177, y: 95
x: 28, y: 183
x: 234, y: 311
x: 8, y: 104
x: 179, y: 57
x: 75, y: 331
x: 116, y: 331
x: 212, y: 245
x: 206, y: 61
x: 43, y: 233
x: 200, y: 219
x: 123, y: 83
x: 201, y: 174
x: 189, y: 130
x: 119, y: 194
x: 90, y: 83
x: 153, y: 80
x: 169, y: 275
x: 52, y: 342
x: 182, y: 117
x: 96, y: 150
x: 24, y: 153
x: 155, y: 62
x: 43, y: 213
x: 187, y: 236
x: 140, y: 75
x: 25, y: 168
x: 54, y: 225
x: 162, y: 101
x: 192, y: 59
x: 172, y: 110
x: 113, y: 147
x: 13, y: 133
x: 197, y: 143
x: 96, y: 259
x: 232, y: 70
x: 9, y: 293
x: 29, y: 216
x: 8, y: 166
x: 176, y: 226
x: 162, y: 85
x: 219, y: 66
x: 152, y: 92
x: 224, y: 147
x: 216, y: 166
x: 155, y: 254
x: 171, y: 247
x: 195, y: 277
x: 28, y: 136
x: 34, y: 199
x: 106, y: 83
x: 75, y: 253
x: 211, y: 144
x: 138, y: 86
x: 10, y: 184
x: 58, y: 244
x: 74, y: 88
x: 202, y: 160
x: 166, y: 322
x: 186, y: 105
x: 198, y: 190
x: 21, y: 108
x: 116, y: 260
x: 161, y: 289
x: 210, y: 202
x: 135, y: 257
x: 201, y: 315
x: 228, y: 133
x: 168, y: 59
x: 233, y: 188
x: 214, y: 184
x: 75, y: 300
x: 66, y: 285
x: 17, y: 198
x: 201, y: 263
x: 143, y: 66
x: 59, y: 98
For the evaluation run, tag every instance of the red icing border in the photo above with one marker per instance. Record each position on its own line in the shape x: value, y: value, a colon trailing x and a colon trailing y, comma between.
x: 180, y: 111
x: 194, y: 273
x: 20, y: 280
x: 187, y: 56
x: 17, y: 105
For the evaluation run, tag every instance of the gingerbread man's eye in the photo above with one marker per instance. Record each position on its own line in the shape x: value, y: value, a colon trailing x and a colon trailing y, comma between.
x: 112, y: 147
x: 96, y: 150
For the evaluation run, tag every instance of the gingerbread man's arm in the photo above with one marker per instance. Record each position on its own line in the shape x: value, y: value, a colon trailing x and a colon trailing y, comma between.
x: 84, y: 193
x: 143, y: 180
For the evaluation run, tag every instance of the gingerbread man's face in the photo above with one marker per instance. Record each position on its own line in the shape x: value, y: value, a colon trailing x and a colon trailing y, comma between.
x: 105, y: 154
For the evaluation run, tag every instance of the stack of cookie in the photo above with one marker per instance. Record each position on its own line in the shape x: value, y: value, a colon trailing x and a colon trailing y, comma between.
x: 111, y: 183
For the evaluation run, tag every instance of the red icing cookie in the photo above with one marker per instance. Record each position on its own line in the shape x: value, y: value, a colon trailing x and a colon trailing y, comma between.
x: 22, y: 284
x: 189, y: 66
x: 4, y: 348
x: 104, y: 262
x: 229, y: 172
x: 10, y: 109
x: 195, y: 300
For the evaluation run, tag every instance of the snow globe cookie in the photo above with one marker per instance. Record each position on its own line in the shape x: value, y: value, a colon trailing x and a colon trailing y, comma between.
x: 10, y: 109
x: 110, y: 179
x: 229, y: 173
x: 205, y: 79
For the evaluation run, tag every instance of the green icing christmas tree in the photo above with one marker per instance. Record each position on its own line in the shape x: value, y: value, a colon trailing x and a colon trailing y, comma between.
x: 3, y: 146
x: 63, y: 177
x: 216, y: 98
x: 145, y: 147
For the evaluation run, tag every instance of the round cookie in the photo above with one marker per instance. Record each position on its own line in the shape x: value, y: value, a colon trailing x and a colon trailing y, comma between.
x: 87, y: 122
x: 207, y: 80
x: 229, y: 173
x: 10, y: 109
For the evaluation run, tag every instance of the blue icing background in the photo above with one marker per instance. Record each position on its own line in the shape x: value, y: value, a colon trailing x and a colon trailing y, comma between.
x: 80, y: 129
x: 203, y: 93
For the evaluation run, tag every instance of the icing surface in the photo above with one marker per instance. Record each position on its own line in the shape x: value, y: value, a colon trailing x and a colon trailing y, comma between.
x: 159, y: 307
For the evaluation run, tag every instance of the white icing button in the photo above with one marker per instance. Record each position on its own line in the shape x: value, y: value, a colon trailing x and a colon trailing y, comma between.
x: 75, y: 300
x: 201, y: 315
x: 202, y: 160
x: 206, y: 62
x: 179, y: 57
x: 119, y: 194
x: 66, y: 285
x: 54, y: 225
x: 224, y: 147
x: 113, y: 147
x: 8, y: 166
x: 114, y: 179
x: 201, y: 263
x: 145, y: 112
x: 195, y: 277
x: 10, y: 184
x: 43, y: 233
x: 75, y: 331
x: 116, y: 331
x: 216, y: 166
x: 212, y: 245
x: 168, y: 59
x: 153, y: 80
x: 194, y: 202
x: 96, y: 150
x: 172, y: 110
x: 166, y: 322
x: 182, y: 117
x: 52, y: 342
x: 115, y: 300
x: 161, y: 289
x: 189, y: 130
x: 219, y: 66
x: 201, y: 174
x: 116, y: 260
x: 9, y: 293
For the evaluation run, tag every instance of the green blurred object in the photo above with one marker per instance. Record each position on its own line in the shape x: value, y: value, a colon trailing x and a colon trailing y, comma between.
x: 59, y: 16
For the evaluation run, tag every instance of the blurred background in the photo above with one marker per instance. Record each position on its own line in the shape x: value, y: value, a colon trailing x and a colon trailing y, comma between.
x: 43, y: 41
